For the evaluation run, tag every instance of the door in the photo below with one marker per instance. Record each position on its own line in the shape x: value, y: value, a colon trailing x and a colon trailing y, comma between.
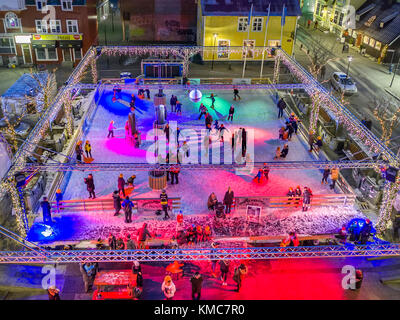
x: 67, y: 55
x: 26, y: 53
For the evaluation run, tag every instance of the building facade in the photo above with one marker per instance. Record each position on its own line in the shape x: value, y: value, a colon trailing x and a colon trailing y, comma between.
x: 47, y: 32
x: 224, y: 24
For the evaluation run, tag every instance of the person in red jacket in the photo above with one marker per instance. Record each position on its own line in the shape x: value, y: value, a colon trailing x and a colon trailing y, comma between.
x: 121, y: 184
x: 143, y: 234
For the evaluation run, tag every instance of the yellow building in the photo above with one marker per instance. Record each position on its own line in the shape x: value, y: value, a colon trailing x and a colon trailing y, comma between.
x: 223, y: 24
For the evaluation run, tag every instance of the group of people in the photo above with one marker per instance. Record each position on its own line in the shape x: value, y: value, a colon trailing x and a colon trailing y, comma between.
x: 334, y: 173
x: 193, y: 234
x: 129, y: 242
x: 214, y: 204
x: 80, y: 149
x: 176, y: 105
x: 262, y: 172
x: 295, y: 196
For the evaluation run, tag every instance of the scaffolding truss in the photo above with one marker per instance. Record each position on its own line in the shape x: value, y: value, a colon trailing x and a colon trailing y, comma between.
x: 151, y: 255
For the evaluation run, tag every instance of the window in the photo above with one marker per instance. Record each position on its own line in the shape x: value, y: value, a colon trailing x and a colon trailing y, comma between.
x: 257, y: 24
x: 7, y: 45
x: 41, y: 26
x: 40, y: 4
x: 66, y: 5
x: 55, y: 26
x: 12, y: 21
x: 46, y: 54
x: 274, y: 43
x: 72, y: 26
x: 248, y: 46
x: 372, y: 43
x: 318, y: 9
x: 223, y: 49
x: 335, y: 19
x: 366, y: 40
x: 78, y: 53
x: 378, y: 45
x: 341, y: 17
x: 242, y: 24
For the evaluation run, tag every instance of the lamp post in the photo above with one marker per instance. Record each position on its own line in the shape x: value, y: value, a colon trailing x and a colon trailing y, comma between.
x: 112, y: 16
x: 395, y: 71
x: 349, y: 58
x: 215, y: 35
x: 105, y: 36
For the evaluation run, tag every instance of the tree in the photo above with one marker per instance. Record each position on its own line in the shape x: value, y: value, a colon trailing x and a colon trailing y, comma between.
x: 387, y: 112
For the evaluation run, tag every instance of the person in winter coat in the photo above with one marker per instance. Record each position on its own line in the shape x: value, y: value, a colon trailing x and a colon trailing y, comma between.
x: 236, y: 94
x: 239, y: 274
x: 281, y: 133
x: 214, y: 245
x: 178, y: 108
x: 311, y: 140
x: 131, y: 180
x: 168, y: 288
x: 307, y: 194
x: 175, y: 174
x: 117, y: 202
x: 259, y: 175
x: 284, y: 151
x: 197, y: 282
x: 166, y: 131
x: 143, y: 234
x: 53, y: 293
x: 290, y: 194
x: 281, y: 106
x: 212, y: 201
x: 325, y: 175
x: 79, y: 151
x: 120, y: 244
x: 128, y: 206
x: 164, y: 203
x: 172, y: 102
x: 209, y: 121
x: 277, y: 153
x: 130, y: 244
x: 203, y: 111
x: 297, y: 193
x: 88, y: 271
x: 121, y: 184
x: 228, y: 200
x: 88, y: 149
x: 365, y: 232
x: 334, y: 177
x: 318, y: 144
x: 231, y: 112
x: 212, y: 97
x: 112, y: 242
x: 221, y: 132
x: 266, y: 171
x: 224, y: 268
x: 59, y: 198
x: 90, y: 186
x: 111, y: 129
x: 289, y: 129
x: 46, y: 210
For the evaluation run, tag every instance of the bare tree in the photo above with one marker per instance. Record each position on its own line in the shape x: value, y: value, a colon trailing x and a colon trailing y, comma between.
x: 387, y: 112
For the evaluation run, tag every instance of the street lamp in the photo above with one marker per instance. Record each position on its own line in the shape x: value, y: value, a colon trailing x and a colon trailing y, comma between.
x: 105, y: 37
x: 112, y: 16
x: 349, y: 58
x: 215, y: 35
x: 395, y: 71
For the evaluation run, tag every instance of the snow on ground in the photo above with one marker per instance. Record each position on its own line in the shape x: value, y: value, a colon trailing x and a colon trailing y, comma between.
x: 256, y: 111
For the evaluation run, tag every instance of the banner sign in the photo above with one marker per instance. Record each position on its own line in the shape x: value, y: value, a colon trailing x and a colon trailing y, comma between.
x: 57, y: 37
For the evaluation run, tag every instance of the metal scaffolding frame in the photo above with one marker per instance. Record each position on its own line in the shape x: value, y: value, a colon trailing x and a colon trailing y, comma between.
x: 273, y: 165
x: 151, y: 255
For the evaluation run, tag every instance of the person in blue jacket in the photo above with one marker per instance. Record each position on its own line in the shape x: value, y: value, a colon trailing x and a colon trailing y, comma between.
x: 46, y: 209
x: 128, y: 206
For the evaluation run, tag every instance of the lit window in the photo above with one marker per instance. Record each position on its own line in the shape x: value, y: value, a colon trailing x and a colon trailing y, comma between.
x: 372, y: 43
x: 248, y: 46
x: 257, y: 24
x: 55, y: 26
x: 378, y: 45
x: 41, y: 26
x: 40, y: 4
x: 72, y: 26
x: 341, y: 17
x: 12, y: 21
x: 366, y: 40
x: 223, y: 49
x: 242, y: 24
x: 66, y: 5
x: 49, y: 54
x: 274, y: 43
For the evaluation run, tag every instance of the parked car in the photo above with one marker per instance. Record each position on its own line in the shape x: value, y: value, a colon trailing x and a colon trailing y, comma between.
x: 343, y: 83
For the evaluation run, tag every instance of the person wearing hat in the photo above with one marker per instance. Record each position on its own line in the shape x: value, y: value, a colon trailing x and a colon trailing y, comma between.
x: 311, y: 140
x: 334, y: 177
x: 128, y: 206
x: 121, y: 184
x: 79, y: 151
x: 306, y: 198
x: 365, y: 231
x: 46, y: 209
x: 197, y: 282
x: 88, y: 149
x: 318, y: 144
x: 111, y: 129
x: 53, y: 293
x: 168, y: 288
x: 59, y: 198
x: 164, y: 203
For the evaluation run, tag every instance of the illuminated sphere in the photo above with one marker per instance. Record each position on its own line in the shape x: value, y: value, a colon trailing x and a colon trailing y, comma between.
x: 195, y: 95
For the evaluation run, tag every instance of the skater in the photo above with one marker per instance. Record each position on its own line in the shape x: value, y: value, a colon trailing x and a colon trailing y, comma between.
x: 281, y: 133
x: 259, y: 175
x: 209, y: 121
x: 311, y: 140
x: 197, y: 282
x: 90, y: 186
x: 318, y: 144
x: 112, y: 242
x: 117, y: 202
x: 175, y: 174
x: 53, y: 293
x: 168, y: 288
x: 111, y: 129
x: 221, y: 132
x: 334, y: 177
x: 236, y: 94
x: 316, y: 25
x: 79, y: 151
x: 164, y: 203
x: 325, y: 175
x: 266, y: 171
x: 231, y: 112
x: 143, y: 234
x: 212, y: 201
x: 295, y: 124
x: 46, y: 210
x: 238, y: 275
x: 277, y: 153
x: 212, y: 97
x: 148, y: 94
x: 281, y: 106
x: 244, y: 142
x: 178, y: 108
x: 307, y: 194
x: 166, y: 131
x: 185, y: 149
x: 228, y: 200
x: 59, y: 198
x: 297, y: 193
x: 121, y: 184
x: 172, y: 102
x: 128, y: 206
x: 365, y: 232
x: 88, y: 149
x: 284, y: 151
x: 203, y: 111
x: 289, y: 129
x: 131, y: 181
x: 308, y: 24
x: 224, y: 268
